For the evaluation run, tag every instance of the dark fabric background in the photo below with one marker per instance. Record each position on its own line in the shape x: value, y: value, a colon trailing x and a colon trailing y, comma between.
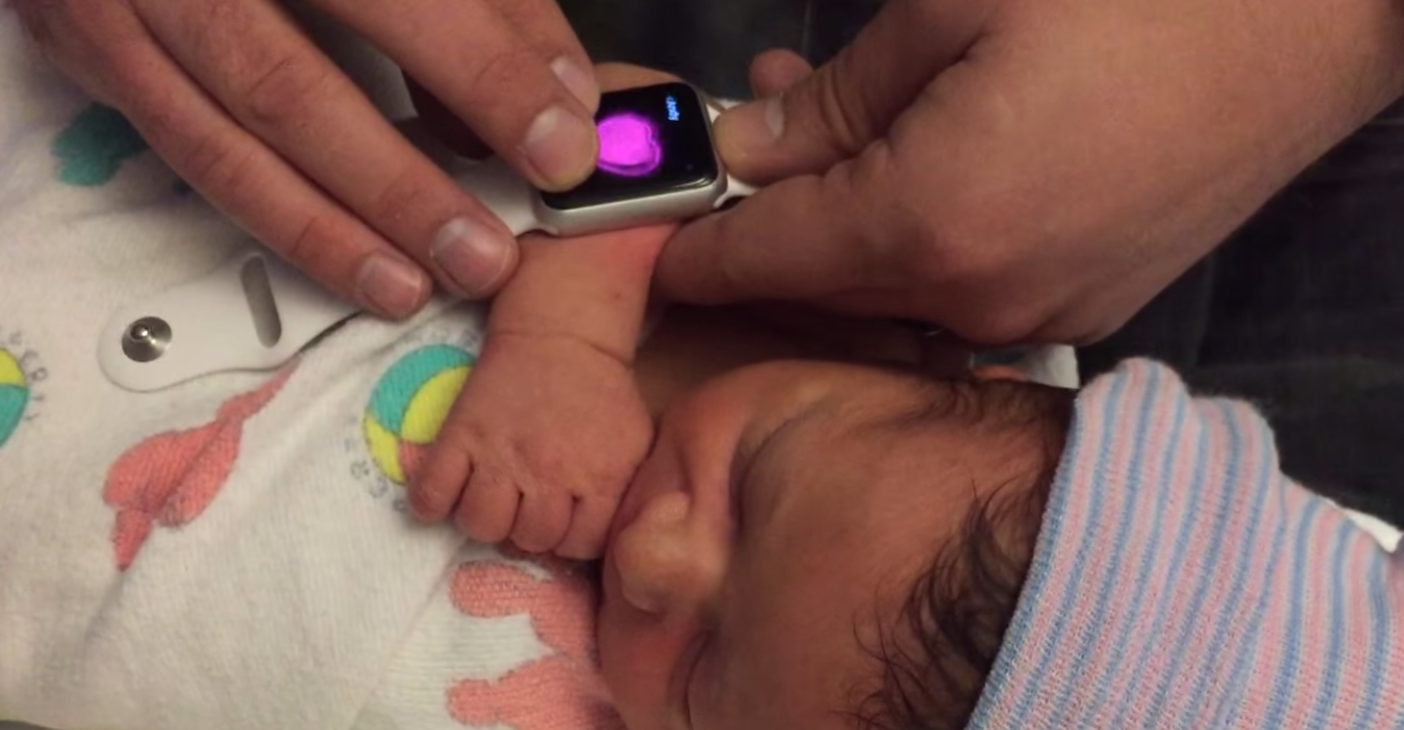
x: 711, y: 42
x: 1302, y: 311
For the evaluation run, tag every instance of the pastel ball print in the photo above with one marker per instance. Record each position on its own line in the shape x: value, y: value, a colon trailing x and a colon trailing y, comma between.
x: 14, y: 395
x: 408, y: 407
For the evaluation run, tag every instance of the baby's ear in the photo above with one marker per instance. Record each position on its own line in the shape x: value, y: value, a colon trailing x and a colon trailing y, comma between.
x: 999, y: 372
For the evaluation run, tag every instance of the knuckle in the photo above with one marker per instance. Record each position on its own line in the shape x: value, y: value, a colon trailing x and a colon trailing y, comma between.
x: 973, y: 257
x: 939, y: 249
x: 585, y: 544
x: 535, y: 455
x: 476, y: 526
x: 954, y: 242
x: 400, y: 199
x: 309, y: 248
x: 534, y: 532
x: 487, y: 528
x: 214, y: 161
x: 430, y: 501
x: 505, y: 70
x: 842, y: 116
x: 531, y: 538
x: 279, y: 93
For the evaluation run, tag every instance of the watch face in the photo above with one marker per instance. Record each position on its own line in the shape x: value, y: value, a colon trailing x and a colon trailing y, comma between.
x: 654, y: 140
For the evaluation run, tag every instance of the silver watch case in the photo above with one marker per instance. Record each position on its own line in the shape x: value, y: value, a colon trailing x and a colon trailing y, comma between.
x: 665, y: 208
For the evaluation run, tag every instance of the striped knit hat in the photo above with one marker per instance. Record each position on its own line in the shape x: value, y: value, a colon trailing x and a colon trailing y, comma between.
x: 1181, y: 582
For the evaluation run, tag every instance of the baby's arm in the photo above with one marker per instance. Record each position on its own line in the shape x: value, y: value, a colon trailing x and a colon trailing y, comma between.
x: 550, y: 426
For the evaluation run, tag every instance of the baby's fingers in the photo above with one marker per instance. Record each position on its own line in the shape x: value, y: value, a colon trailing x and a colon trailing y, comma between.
x: 435, y: 490
x: 488, y: 508
x: 589, y: 526
x: 542, y: 520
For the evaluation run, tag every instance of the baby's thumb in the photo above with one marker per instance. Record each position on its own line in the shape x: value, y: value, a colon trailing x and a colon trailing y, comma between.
x: 835, y: 112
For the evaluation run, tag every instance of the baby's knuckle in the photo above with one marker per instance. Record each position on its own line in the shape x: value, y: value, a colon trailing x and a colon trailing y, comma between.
x: 531, y: 541
x: 475, y: 525
x: 607, y: 480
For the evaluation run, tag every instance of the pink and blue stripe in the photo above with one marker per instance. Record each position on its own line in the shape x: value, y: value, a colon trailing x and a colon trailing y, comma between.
x: 1181, y: 581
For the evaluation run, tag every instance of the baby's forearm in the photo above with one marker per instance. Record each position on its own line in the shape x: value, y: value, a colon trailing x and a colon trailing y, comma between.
x: 592, y: 289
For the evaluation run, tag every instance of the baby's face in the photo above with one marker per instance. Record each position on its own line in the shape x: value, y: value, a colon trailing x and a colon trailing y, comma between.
x: 775, y: 528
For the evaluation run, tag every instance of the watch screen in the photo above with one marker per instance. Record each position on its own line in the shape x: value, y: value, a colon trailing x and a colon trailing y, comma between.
x: 654, y: 140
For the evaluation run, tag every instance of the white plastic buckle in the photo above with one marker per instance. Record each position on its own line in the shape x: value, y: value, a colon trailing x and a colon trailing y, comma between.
x: 252, y: 313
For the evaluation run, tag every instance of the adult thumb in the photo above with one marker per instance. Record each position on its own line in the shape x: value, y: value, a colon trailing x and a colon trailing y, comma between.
x: 847, y: 103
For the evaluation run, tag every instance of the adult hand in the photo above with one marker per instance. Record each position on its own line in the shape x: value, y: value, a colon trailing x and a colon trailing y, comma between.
x: 1029, y: 170
x: 245, y: 108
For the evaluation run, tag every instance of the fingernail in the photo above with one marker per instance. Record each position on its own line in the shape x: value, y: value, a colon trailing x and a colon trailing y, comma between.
x: 580, y: 84
x: 392, y: 286
x: 473, y: 255
x: 561, y: 147
x: 751, y: 128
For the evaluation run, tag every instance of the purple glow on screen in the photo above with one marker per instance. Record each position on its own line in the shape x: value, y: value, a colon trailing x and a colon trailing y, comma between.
x: 629, y: 145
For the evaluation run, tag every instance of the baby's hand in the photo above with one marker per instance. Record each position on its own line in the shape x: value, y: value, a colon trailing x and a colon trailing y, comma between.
x: 539, y: 446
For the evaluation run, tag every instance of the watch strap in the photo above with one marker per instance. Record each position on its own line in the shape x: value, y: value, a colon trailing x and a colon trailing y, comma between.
x: 255, y: 312
x: 501, y: 190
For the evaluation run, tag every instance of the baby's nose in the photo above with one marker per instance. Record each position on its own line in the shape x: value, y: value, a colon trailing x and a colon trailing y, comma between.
x: 668, y: 563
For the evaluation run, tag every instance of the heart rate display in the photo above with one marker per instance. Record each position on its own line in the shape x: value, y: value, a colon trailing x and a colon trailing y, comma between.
x: 653, y: 140
x: 629, y: 145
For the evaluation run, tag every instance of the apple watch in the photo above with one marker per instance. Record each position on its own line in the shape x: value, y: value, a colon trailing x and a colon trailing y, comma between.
x: 657, y: 163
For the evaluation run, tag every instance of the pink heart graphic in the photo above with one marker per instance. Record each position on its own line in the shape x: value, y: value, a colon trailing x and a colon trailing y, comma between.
x: 629, y: 145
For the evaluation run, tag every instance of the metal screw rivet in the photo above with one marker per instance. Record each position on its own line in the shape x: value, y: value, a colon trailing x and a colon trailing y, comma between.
x: 146, y: 339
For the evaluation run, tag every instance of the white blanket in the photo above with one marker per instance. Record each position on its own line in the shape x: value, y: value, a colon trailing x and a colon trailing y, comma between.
x: 233, y: 552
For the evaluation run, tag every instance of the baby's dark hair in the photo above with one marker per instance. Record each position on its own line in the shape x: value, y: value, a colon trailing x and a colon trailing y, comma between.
x: 934, y: 661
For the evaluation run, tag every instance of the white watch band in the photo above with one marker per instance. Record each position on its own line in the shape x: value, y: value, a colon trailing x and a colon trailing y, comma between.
x: 255, y: 312
x: 252, y: 313
x: 501, y: 190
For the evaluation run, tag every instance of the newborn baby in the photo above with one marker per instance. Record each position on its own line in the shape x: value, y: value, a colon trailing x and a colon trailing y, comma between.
x: 809, y: 544
x: 235, y: 551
